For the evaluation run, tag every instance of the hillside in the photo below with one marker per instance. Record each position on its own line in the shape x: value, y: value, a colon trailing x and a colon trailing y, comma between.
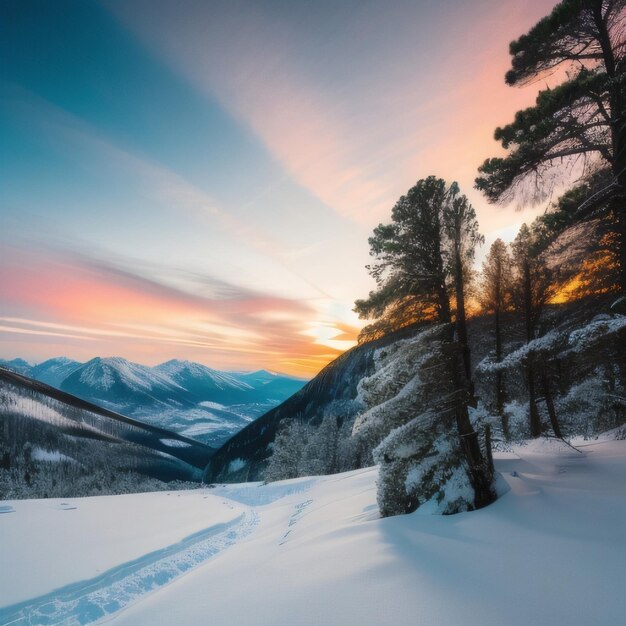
x: 53, y: 442
x: 335, y: 388
x: 379, y: 377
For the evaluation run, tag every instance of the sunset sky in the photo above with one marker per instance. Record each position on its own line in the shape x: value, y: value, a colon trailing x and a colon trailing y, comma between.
x: 198, y: 179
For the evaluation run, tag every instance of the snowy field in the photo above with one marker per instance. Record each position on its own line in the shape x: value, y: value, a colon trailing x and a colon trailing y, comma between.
x: 552, y: 550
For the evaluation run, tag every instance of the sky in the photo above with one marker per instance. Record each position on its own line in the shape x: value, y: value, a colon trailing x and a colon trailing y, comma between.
x: 198, y: 179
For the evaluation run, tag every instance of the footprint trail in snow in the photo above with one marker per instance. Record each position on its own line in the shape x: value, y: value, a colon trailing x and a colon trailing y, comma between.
x: 91, y: 600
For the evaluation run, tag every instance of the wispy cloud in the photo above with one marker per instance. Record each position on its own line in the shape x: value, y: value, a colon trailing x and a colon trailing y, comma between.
x: 357, y: 113
x: 111, y: 310
x: 158, y: 182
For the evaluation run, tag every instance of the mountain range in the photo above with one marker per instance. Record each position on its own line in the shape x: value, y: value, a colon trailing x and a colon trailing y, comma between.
x: 183, y: 396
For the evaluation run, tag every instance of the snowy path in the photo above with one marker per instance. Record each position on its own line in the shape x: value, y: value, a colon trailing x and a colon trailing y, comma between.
x: 88, y: 601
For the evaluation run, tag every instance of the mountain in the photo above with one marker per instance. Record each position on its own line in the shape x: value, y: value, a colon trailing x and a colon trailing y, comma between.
x: 204, y: 383
x: 117, y: 383
x: 53, y: 371
x: 16, y: 365
x: 55, y: 441
x: 270, y: 386
x: 187, y: 397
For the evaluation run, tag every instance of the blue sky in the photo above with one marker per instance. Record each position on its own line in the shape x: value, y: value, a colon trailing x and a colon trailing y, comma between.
x: 198, y: 179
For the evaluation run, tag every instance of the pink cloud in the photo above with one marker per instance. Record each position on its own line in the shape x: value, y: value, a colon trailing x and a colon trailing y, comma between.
x: 71, y: 304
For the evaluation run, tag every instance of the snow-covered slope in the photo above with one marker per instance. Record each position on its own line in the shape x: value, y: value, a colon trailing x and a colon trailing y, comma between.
x: 54, y: 443
x: 551, y: 550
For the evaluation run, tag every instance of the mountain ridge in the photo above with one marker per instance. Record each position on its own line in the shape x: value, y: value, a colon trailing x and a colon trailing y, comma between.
x: 181, y: 395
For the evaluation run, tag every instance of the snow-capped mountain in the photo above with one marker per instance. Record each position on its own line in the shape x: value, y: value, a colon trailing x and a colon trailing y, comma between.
x: 204, y: 383
x: 187, y: 397
x: 116, y: 382
x: 54, y: 371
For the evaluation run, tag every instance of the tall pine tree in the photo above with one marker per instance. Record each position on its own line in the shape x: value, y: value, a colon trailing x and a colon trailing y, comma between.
x: 495, y: 297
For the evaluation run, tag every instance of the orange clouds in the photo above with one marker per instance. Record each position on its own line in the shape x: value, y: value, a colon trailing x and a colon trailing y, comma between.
x: 61, y: 302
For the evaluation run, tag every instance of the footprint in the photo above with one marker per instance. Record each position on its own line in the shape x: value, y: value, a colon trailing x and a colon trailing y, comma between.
x: 64, y: 506
x: 295, y: 517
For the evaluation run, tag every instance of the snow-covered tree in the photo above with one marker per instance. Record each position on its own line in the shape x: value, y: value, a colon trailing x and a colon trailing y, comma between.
x: 424, y: 256
x: 287, y: 450
x: 411, y: 428
x: 319, y: 455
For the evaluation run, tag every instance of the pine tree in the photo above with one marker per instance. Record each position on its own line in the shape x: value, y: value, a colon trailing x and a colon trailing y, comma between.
x: 410, y: 263
x: 288, y: 448
x: 495, y: 297
x: 462, y: 237
x: 533, y: 289
x: 424, y: 256
x: 583, y: 117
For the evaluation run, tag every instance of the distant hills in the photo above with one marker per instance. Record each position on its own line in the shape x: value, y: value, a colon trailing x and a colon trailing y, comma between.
x: 186, y: 397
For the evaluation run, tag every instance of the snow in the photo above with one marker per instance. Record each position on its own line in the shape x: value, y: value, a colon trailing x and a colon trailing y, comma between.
x: 54, y: 456
x: 581, y: 339
x: 175, y: 443
x: 101, y: 373
x: 212, y: 405
x: 235, y: 465
x: 314, y: 551
x: 578, y: 340
x: 178, y: 370
x: 544, y: 343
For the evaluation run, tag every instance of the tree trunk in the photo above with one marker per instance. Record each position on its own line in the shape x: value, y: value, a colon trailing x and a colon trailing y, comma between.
x: 488, y: 449
x: 535, y: 420
x: 500, y: 393
x: 547, y: 394
x: 445, y: 316
x: 618, y: 208
x: 618, y: 135
x: 461, y: 321
x: 480, y: 472
x: 620, y: 214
